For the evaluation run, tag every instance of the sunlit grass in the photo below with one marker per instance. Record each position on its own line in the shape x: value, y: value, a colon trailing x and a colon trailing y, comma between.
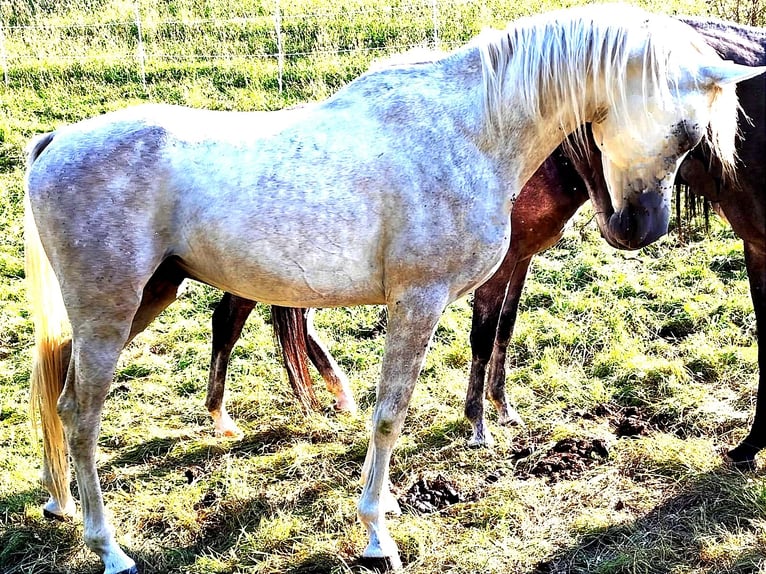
x: 668, y: 330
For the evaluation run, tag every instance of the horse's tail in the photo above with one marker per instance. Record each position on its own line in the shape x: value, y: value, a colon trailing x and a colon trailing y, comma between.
x: 52, y: 343
x: 290, y: 330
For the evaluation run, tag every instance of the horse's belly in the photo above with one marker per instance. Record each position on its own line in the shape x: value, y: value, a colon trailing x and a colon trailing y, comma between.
x: 303, y: 270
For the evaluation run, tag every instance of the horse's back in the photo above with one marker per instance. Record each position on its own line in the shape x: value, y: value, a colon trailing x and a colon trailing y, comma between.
x: 313, y: 207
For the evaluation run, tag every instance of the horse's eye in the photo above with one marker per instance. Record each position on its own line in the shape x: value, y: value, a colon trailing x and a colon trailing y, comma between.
x: 687, y: 135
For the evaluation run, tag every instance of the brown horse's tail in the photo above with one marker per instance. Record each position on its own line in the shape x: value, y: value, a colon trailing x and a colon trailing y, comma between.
x: 52, y: 345
x: 290, y: 331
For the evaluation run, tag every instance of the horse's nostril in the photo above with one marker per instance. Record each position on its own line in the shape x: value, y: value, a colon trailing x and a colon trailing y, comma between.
x: 637, y: 226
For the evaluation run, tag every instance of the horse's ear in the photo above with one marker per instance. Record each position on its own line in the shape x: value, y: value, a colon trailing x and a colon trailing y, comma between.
x: 727, y: 72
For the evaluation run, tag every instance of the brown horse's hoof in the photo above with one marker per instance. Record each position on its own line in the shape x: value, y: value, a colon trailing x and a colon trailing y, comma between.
x: 57, y: 517
x: 737, y: 460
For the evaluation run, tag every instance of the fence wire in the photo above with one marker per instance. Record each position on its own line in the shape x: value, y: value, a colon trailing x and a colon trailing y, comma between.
x: 280, y: 36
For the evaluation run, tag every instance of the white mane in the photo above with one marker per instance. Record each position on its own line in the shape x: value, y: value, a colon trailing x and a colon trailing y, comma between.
x: 554, y: 56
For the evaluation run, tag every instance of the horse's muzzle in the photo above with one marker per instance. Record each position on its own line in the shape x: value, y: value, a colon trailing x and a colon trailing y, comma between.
x: 639, y: 224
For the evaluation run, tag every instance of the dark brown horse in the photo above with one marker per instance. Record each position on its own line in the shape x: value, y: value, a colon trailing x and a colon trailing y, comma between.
x: 294, y: 329
x: 548, y: 201
x: 741, y: 202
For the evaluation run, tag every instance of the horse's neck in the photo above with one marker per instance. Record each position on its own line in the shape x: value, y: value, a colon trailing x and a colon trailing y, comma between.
x: 743, y: 44
x: 525, y: 142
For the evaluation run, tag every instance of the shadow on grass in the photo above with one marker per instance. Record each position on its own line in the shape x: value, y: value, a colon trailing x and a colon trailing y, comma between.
x: 36, y: 545
x: 168, y: 454
x: 24, y: 539
x: 688, y: 532
x: 31, y: 544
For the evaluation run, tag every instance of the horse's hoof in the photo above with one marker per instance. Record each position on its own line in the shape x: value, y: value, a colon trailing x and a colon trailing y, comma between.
x: 481, y: 440
x: 345, y: 407
x: 378, y: 564
x: 510, y: 419
x: 57, y: 517
x: 738, y: 462
x: 132, y: 570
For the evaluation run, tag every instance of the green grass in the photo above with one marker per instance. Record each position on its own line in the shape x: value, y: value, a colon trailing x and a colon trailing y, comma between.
x: 668, y: 330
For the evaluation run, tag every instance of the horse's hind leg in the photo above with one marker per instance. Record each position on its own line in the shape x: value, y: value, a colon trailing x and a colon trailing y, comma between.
x: 159, y: 292
x: 507, y: 415
x: 335, y: 379
x: 101, y: 327
x: 228, y: 320
x: 100, y: 330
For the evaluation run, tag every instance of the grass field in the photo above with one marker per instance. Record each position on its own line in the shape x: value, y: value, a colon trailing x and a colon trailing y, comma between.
x: 637, y: 367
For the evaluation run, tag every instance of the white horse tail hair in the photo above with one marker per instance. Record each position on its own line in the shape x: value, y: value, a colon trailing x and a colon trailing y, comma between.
x: 52, y: 344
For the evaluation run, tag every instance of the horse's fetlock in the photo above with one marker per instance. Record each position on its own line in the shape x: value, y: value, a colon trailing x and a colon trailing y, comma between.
x: 99, y: 540
x: 474, y: 409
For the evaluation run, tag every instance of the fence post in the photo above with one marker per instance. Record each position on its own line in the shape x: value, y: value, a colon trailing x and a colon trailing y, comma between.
x: 280, y: 55
x: 435, y: 15
x: 141, y: 54
x: 3, y: 53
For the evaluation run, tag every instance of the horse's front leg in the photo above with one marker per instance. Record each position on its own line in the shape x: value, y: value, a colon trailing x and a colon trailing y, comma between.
x: 744, y: 454
x: 412, y: 319
x: 487, y: 305
x: 506, y: 414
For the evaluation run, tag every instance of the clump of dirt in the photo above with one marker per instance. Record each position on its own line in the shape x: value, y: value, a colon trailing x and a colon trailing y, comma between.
x: 631, y: 422
x: 569, y: 458
x: 626, y: 421
x: 431, y: 495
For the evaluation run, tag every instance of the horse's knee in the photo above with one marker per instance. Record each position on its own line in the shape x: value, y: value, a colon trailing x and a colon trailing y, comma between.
x: 482, y: 341
x: 387, y: 426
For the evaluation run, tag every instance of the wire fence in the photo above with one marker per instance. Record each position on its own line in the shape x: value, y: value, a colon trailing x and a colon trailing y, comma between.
x: 44, y: 37
x: 281, y: 35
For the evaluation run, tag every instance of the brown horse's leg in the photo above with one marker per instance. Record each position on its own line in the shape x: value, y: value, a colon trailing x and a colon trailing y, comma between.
x: 755, y: 260
x: 507, y: 415
x: 487, y: 304
x: 160, y: 291
x: 228, y: 320
x: 335, y: 379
